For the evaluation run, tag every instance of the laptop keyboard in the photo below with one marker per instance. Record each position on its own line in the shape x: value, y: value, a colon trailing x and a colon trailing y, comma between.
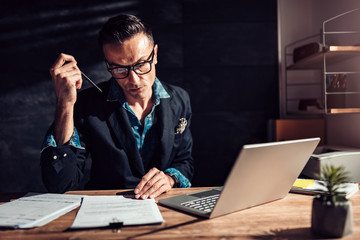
x: 205, y: 204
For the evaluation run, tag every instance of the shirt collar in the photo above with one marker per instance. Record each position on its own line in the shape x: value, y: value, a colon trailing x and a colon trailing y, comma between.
x: 117, y: 94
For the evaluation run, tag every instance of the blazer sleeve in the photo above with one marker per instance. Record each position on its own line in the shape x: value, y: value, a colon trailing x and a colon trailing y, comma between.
x: 183, y: 142
x: 62, y: 168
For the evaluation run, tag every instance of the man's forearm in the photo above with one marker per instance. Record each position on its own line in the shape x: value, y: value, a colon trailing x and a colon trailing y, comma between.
x: 64, y: 124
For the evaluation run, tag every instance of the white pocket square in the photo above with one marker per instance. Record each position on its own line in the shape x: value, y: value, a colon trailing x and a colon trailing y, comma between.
x: 180, y: 128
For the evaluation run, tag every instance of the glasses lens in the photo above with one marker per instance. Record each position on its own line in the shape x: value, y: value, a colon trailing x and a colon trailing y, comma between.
x: 142, y: 68
x: 119, y: 72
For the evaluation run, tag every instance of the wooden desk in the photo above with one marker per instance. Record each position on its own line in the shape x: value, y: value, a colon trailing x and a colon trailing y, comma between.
x: 288, y: 218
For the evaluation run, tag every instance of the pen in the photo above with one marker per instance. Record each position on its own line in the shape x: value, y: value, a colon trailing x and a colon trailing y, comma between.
x: 92, y: 83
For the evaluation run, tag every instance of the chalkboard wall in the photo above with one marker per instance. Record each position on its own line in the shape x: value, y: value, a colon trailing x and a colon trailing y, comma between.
x: 224, y: 53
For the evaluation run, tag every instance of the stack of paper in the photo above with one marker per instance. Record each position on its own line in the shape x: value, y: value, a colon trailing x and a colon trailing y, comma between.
x: 34, y: 210
x: 311, y: 186
x: 103, y: 211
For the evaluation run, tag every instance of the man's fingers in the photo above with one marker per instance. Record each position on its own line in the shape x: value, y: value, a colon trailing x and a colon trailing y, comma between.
x: 79, y: 82
x: 69, y: 72
x: 71, y: 78
x: 154, y: 186
x: 147, y: 177
x: 60, y: 66
x: 62, y: 59
x: 66, y: 77
x: 69, y: 67
x: 157, y: 189
x: 162, y: 189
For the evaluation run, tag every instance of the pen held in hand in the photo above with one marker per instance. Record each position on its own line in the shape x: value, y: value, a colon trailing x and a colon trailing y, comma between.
x: 91, y: 82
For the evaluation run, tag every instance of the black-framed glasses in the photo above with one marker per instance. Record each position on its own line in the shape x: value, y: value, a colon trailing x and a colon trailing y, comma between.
x: 140, y: 68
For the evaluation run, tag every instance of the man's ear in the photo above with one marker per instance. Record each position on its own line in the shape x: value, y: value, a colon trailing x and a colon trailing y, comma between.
x: 155, y: 53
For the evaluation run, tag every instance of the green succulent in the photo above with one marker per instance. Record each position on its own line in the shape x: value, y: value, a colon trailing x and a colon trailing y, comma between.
x: 333, y: 177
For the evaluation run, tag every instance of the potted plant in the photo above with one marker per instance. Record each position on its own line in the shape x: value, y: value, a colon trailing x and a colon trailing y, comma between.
x: 331, y: 210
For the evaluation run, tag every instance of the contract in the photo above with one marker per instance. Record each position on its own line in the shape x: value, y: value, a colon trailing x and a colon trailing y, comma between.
x: 105, y: 211
x: 36, y: 209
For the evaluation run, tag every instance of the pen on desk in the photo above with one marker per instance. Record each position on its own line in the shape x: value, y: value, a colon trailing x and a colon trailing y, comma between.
x: 90, y: 81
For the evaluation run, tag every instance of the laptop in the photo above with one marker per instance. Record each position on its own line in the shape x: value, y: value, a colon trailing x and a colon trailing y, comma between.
x: 262, y: 173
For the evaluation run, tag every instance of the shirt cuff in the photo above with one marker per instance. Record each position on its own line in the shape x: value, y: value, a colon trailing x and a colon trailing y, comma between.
x: 182, y: 181
x: 49, y: 140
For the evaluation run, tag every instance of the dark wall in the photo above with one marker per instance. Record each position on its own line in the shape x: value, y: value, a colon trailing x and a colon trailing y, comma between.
x: 224, y: 53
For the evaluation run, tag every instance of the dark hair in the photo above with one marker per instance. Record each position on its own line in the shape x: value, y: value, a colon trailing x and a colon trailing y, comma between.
x: 120, y: 28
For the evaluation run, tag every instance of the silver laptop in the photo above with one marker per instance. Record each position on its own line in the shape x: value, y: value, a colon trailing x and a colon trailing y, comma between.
x: 261, y: 173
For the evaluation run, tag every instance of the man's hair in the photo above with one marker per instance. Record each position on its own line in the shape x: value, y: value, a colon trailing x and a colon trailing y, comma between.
x: 120, y: 28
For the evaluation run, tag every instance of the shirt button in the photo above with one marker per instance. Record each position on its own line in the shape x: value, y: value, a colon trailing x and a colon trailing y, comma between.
x: 65, y: 154
x: 55, y: 157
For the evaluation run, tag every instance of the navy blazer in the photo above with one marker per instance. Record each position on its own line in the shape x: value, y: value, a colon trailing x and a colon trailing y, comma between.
x: 109, y: 143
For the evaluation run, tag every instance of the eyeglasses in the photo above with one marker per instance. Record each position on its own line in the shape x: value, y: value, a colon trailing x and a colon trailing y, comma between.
x: 141, y: 68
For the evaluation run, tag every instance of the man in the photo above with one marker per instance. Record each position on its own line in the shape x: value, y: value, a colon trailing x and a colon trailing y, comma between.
x: 136, y: 131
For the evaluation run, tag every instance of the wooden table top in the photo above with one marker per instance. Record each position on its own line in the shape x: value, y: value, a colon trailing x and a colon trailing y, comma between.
x: 288, y: 218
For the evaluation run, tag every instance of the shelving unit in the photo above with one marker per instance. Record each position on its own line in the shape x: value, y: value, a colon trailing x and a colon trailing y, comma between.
x: 332, y: 54
x: 339, y: 88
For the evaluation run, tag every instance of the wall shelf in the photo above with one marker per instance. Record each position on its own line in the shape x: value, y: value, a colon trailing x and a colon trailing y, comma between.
x: 344, y: 110
x: 338, y: 90
x: 333, y: 55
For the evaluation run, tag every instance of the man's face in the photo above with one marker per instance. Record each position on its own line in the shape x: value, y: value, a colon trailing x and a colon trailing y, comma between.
x: 133, y: 51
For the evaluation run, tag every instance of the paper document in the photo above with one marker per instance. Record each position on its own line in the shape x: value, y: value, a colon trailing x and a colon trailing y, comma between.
x: 102, y: 211
x: 318, y: 186
x: 35, y: 209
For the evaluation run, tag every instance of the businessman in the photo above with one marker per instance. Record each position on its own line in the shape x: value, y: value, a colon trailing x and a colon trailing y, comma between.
x: 136, y: 132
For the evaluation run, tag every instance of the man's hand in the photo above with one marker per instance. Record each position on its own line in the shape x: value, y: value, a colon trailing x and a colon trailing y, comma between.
x: 66, y: 78
x: 153, y: 183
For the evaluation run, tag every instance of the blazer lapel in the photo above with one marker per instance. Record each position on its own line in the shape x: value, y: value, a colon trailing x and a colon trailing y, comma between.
x: 119, y: 122
x: 166, y: 118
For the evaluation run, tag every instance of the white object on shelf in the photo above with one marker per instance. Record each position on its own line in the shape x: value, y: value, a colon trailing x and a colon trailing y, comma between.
x: 349, y: 158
